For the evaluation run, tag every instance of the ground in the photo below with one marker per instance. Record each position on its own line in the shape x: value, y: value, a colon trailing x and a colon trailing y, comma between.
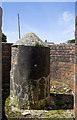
x: 61, y: 106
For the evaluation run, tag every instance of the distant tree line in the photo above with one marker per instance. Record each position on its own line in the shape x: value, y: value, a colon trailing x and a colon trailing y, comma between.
x: 71, y: 41
x: 4, y: 38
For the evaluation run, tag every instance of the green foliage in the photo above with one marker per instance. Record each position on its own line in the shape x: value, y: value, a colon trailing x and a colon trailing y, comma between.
x: 4, y: 38
x: 62, y: 43
x: 38, y: 45
x: 71, y: 41
x: 42, y: 45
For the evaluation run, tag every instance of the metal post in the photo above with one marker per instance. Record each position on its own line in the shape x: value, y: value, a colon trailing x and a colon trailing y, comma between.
x: 18, y: 26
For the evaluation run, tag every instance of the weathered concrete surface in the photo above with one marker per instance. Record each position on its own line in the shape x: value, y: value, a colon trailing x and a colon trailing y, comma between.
x: 30, y: 78
x: 30, y: 39
x: 0, y: 63
x: 75, y: 72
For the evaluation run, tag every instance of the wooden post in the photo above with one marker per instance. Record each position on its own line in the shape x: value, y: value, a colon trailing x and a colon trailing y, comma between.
x: 75, y: 72
x: 18, y: 26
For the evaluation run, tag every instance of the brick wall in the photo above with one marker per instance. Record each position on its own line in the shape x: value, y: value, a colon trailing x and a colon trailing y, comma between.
x: 62, y: 65
x: 6, y: 62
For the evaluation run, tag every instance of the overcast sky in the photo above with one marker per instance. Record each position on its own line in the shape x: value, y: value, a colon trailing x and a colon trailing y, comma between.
x: 52, y: 21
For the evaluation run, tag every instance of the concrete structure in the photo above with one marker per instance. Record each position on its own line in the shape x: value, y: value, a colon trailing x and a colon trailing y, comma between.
x: 75, y: 72
x: 30, y: 74
x: 61, y: 64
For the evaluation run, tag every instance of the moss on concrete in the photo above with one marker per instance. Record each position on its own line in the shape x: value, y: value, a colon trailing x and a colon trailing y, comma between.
x: 48, y: 114
x: 8, y: 111
x: 57, y: 114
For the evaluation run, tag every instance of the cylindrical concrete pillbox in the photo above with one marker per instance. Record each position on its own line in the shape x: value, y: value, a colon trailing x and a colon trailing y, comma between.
x: 30, y: 75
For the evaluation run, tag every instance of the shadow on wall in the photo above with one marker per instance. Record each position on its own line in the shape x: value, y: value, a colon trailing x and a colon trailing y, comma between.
x: 61, y: 101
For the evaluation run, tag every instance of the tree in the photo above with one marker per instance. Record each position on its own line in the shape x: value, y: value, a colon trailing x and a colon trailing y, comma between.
x: 71, y: 41
x: 4, y: 38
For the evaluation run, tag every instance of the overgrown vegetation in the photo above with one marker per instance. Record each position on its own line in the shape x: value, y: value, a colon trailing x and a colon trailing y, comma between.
x: 39, y: 45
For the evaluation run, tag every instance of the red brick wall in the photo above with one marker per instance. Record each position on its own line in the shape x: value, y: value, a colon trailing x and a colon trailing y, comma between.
x: 6, y: 62
x: 62, y: 65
